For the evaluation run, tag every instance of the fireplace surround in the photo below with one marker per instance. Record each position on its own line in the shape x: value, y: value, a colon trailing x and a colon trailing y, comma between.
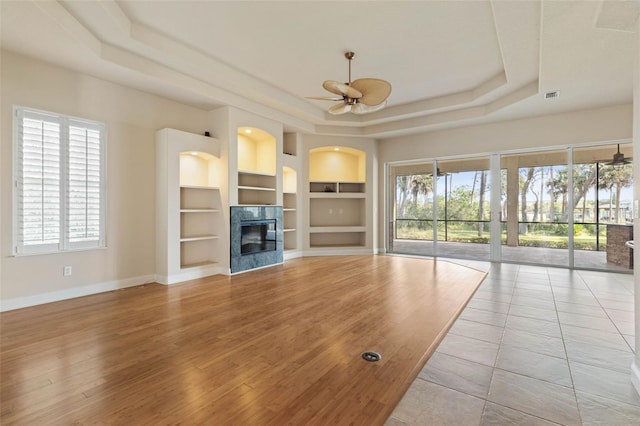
x: 256, y: 237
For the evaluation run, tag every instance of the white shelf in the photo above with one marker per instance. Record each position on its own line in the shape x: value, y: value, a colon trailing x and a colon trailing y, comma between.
x: 256, y: 188
x: 289, y: 192
x: 199, y: 187
x: 198, y: 238
x: 337, y: 195
x: 249, y: 172
x: 288, y: 229
x: 199, y: 210
x: 198, y: 265
x: 326, y: 229
x: 288, y: 210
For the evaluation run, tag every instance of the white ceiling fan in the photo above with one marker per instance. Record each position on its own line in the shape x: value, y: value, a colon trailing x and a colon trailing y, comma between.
x: 359, y: 96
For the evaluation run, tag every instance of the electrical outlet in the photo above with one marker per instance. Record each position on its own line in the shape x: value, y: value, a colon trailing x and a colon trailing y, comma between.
x: 67, y: 271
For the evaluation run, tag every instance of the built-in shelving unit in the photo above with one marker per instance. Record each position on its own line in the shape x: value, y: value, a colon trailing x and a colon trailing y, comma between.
x: 199, y: 223
x: 189, y: 220
x: 290, y: 207
x: 337, y: 198
x: 257, y: 180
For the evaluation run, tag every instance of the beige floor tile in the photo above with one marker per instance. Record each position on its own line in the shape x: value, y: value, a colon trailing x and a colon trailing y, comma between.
x: 631, y: 341
x: 586, y: 321
x: 532, y: 364
x: 470, y: 349
x: 603, y: 382
x: 534, y: 342
x: 497, y: 415
x: 532, y: 325
x: 574, y: 308
x: 596, y: 410
x: 477, y: 330
x: 490, y: 294
x: 485, y: 317
x: 594, y: 337
x: 615, y: 304
x: 526, y: 378
x: 392, y: 421
x: 617, y: 315
x: 536, y: 294
x: 535, y: 397
x: 579, y: 299
x: 533, y: 302
x: 533, y: 312
x: 599, y: 356
x: 489, y: 305
x: 427, y: 403
x: 459, y: 374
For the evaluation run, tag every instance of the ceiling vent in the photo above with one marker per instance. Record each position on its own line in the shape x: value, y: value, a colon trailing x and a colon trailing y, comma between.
x: 552, y: 95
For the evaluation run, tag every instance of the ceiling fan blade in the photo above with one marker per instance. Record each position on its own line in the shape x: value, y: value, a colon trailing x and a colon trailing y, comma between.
x: 361, y: 108
x: 341, y: 89
x: 374, y: 91
x: 339, y: 109
x: 324, y: 98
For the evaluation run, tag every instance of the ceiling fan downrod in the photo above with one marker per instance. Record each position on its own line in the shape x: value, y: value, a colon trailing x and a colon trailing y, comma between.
x: 349, y: 55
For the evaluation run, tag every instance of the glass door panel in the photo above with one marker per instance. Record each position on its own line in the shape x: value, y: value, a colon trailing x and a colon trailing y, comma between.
x: 463, y: 208
x: 412, y: 213
x: 535, y: 208
x: 603, y: 216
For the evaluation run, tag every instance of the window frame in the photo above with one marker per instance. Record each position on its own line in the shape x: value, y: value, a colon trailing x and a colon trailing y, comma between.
x: 63, y: 244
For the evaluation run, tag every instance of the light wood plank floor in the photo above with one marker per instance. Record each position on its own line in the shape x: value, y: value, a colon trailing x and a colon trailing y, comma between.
x: 280, y: 345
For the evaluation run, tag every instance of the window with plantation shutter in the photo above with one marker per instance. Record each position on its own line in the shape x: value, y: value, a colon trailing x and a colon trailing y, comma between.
x: 59, y: 183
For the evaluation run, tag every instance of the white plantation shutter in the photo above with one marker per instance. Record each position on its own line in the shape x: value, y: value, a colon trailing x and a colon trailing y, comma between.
x: 59, y: 175
x: 84, y: 184
x: 38, y: 183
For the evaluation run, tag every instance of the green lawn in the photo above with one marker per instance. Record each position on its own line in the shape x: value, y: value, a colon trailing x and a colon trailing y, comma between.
x: 582, y: 240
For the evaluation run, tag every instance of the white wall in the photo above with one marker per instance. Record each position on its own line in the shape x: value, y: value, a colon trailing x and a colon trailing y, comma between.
x: 635, y: 366
x: 132, y: 118
x: 573, y: 128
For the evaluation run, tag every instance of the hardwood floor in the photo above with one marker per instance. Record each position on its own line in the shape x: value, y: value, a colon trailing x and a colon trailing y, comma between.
x: 277, y: 346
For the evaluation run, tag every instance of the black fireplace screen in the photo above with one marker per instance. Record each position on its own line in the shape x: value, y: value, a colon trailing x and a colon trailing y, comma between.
x: 257, y: 236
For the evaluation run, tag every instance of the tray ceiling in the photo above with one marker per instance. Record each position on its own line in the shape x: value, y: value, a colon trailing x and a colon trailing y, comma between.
x: 450, y: 63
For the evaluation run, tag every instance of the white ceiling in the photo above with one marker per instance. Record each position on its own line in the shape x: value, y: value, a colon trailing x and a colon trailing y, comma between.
x: 451, y: 63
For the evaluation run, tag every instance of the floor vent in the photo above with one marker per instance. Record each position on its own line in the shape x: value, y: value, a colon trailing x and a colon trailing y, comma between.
x: 371, y: 356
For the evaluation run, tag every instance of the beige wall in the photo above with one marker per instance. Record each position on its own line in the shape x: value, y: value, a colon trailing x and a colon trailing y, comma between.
x: 574, y: 128
x: 132, y: 118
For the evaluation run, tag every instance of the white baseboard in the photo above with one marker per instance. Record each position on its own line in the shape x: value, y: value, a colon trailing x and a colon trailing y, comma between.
x: 635, y: 374
x: 336, y: 252
x: 71, y: 293
x: 189, y: 274
x: 292, y: 254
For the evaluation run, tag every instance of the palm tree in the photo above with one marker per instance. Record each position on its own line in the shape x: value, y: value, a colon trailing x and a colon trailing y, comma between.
x: 618, y: 178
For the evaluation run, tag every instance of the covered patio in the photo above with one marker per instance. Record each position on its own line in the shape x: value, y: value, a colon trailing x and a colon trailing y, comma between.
x: 583, y: 259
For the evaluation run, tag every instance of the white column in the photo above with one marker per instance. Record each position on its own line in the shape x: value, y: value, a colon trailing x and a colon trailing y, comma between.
x: 635, y: 366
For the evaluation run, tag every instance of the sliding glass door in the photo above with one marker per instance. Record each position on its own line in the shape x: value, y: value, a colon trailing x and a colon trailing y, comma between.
x: 537, y: 209
x: 563, y: 207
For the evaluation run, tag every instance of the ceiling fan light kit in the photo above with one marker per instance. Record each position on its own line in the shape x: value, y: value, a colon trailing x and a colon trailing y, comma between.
x: 360, y: 96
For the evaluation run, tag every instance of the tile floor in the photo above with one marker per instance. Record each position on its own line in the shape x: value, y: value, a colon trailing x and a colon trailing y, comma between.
x: 534, y: 346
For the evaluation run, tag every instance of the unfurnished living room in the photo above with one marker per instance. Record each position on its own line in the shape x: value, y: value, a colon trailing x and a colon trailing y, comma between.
x: 319, y: 212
